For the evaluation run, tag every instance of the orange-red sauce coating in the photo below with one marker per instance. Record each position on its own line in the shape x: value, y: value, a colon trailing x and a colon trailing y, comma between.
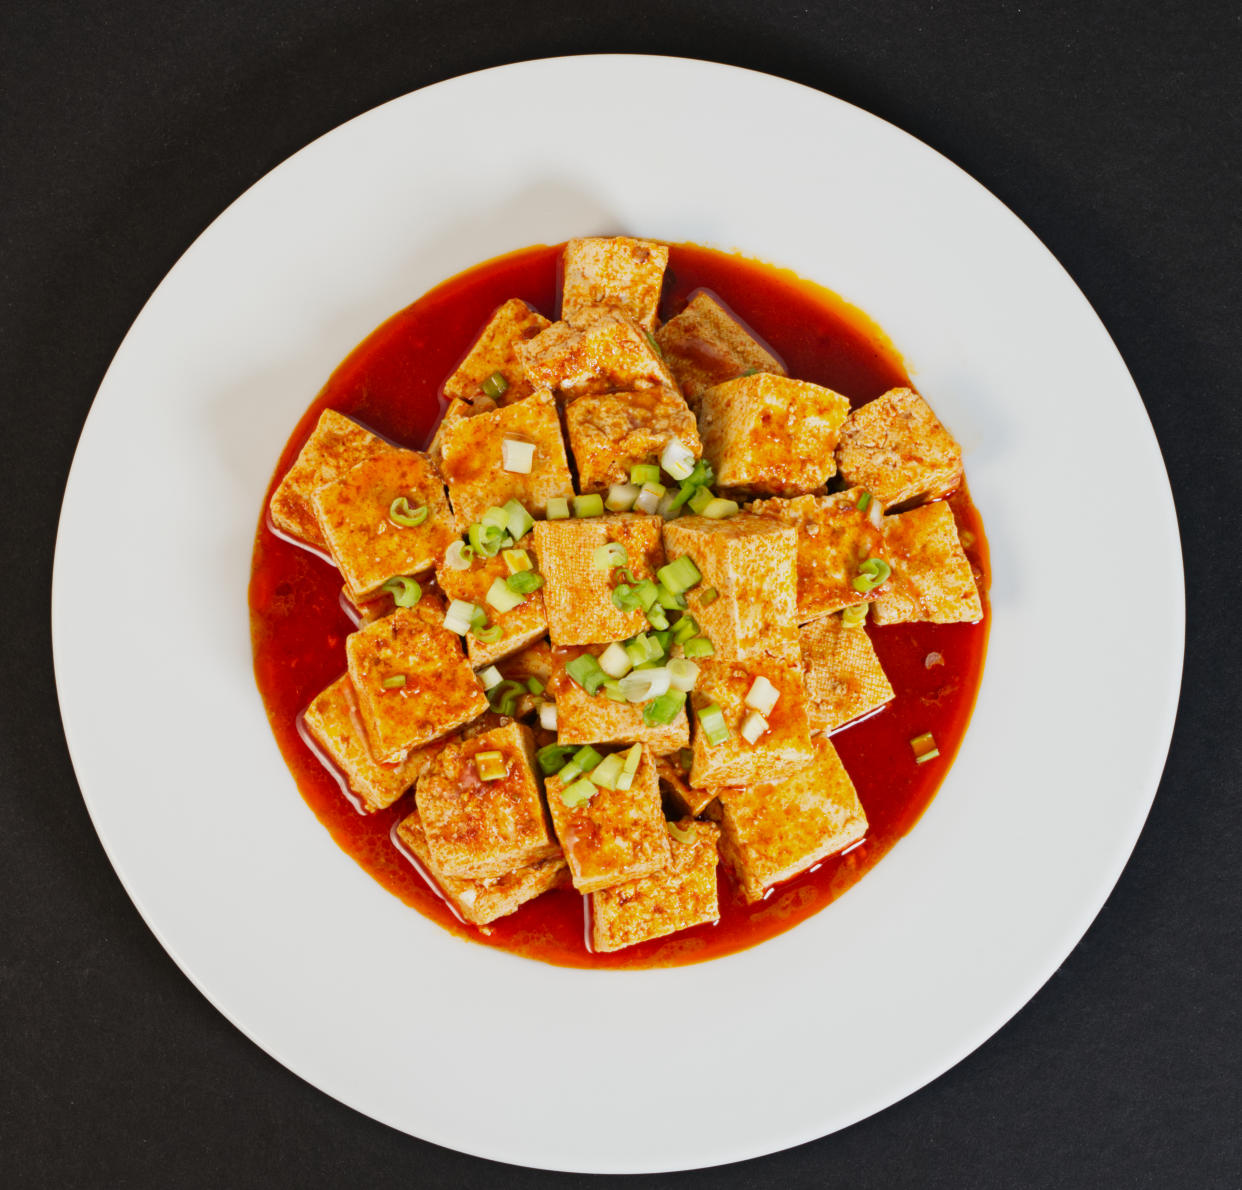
x: 391, y: 383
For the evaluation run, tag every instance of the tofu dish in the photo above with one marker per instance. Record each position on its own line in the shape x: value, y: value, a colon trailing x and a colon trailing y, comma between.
x: 620, y: 603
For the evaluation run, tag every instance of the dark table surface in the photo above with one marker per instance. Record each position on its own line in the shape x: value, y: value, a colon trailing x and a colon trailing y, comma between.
x: 1112, y: 129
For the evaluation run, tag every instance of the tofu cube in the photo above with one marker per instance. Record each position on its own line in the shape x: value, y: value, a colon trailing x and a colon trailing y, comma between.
x: 706, y: 345
x: 495, y: 351
x: 783, y: 749
x: 481, y: 901
x: 577, y: 594
x: 772, y: 832
x: 771, y: 435
x: 932, y: 579
x: 605, y: 351
x: 617, y: 835
x: 582, y: 718
x: 675, y: 784
x: 619, y: 273
x: 842, y: 674
x: 366, y: 544
x: 610, y: 432
x: 440, y: 691
x: 480, y: 828
x: 896, y: 448
x: 751, y: 563
x: 335, y: 445
x: 457, y: 410
x: 678, y: 897
x: 518, y: 627
x: 834, y: 538
x: 335, y: 728
x: 472, y: 453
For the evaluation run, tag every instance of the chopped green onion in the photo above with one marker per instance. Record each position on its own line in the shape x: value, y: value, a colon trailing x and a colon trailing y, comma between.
x: 657, y: 618
x: 682, y: 674
x: 517, y: 520
x: 623, y: 598
x: 668, y: 601
x: 517, y: 456
x: 488, y: 635
x: 863, y: 501
x: 502, y: 597
x: 611, y: 554
x: 712, y: 723
x: 701, y: 499
x: 577, y: 794
x: 647, y: 594
x: 684, y: 629
x: 608, y: 772
x: 749, y: 372
x: 685, y: 758
x: 400, y: 513
x: 677, y: 459
x: 516, y: 560
x: 642, y: 473
x: 503, y: 698
x: 569, y: 773
x: 535, y: 686
x: 478, y: 618
x: 664, y: 709
x: 644, y: 684
x: 719, y: 508
x: 762, y: 696
x: 682, y: 836
x: 633, y: 758
x: 524, y: 582
x: 495, y: 386
x: 487, y: 540
x: 871, y: 574
x: 698, y: 646
x: 586, y: 758
x: 654, y: 345
x: 614, y: 660
x: 551, y: 758
x: 612, y: 690
x: 459, y: 617
x: 584, y: 669
x: 589, y: 505
x: 926, y: 756
x: 404, y: 590
x: 490, y: 766
x: 753, y: 726
x: 547, y: 716
x: 557, y: 508
x: 496, y: 518
x: 490, y: 677
x: 680, y: 574
x: 854, y: 616
x: 394, y: 683
x: 621, y: 497
x: 664, y: 639
x: 708, y: 597
x: 649, y: 497
x: 642, y: 648
x: 458, y: 555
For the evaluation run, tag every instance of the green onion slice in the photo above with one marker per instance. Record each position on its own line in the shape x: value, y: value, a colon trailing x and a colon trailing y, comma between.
x: 490, y: 677
x: 394, y: 683
x: 863, y: 501
x: 623, y: 598
x: 589, y: 505
x: 488, y: 634
x: 712, y: 723
x: 400, y: 513
x: 698, y: 646
x: 551, y: 758
x: 458, y: 555
x: 682, y: 836
x: 577, y: 794
x: 608, y: 772
x: 495, y: 386
x: 535, y: 686
x: 404, y: 590
x: 701, y: 498
x: 609, y: 555
x: 665, y: 709
x: 719, y: 508
x: 655, y: 346
x: 517, y: 520
x: 557, y: 509
x: 524, y: 582
x: 586, y: 758
x: 685, y: 758
x: 708, y: 597
x: 871, y: 574
x: 586, y: 672
x: 516, y: 560
x: 642, y: 473
x: 502, y: 597
x: 657, y: 618
x: 854, y: 616
x: 679, y: 575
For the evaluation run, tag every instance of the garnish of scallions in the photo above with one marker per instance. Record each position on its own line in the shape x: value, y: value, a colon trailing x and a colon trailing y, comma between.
x: 403, y: 515
x: 404, y: 590
x: 395, y: 682
x: 495, y: 386
x: 872, y: 573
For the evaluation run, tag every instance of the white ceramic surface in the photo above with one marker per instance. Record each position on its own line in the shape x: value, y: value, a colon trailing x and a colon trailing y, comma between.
x: 511, y: 1059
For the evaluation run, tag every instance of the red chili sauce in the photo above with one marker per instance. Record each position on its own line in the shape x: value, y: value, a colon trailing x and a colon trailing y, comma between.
x: 392, y: 383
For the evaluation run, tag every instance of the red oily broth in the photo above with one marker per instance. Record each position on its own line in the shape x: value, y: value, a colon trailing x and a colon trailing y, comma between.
x: 392, y: 381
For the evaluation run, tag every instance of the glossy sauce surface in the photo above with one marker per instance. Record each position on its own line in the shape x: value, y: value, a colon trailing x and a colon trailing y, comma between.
x: 391, y: 383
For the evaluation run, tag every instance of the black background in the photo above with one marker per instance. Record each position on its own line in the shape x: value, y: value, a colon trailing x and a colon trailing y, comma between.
x: 1112, y: 129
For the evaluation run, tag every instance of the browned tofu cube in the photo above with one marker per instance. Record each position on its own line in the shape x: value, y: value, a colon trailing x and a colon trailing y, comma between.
x: 617, y: 835
x: 751, y: 563
x: 495, y: 351
x: 483, y: 821
x: 582, y: 718
x: 610, y: 432
x: 834, y: 537
x: 335, y: 445
x: 843, y: 676
x: 412, y: 680
x: 518, y: 627
x: 706, y: 345
x: 355, y: 515
x: 472, y: 451
x: 932, y: 579
x: 335, y: 729
x: 481, y: 901
x: 677, y: 897
x: 771, y: 435
x: 605, y: 351
x: 577, y: 593
x: 458, y: 409
x: 896, y: 448
x: 619, y: 273
x: 782, y: 749
x: 675, y: 782
x: 771, y: 833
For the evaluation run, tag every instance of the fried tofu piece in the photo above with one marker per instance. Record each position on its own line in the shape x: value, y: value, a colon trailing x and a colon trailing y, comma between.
x: 582, y: 718
x: 896, y: 448
x: 783, y: 749
x: 482, y: 901
x: 354, y: 515
x: 440, y: 691
x: 771, y: 833
x: 617, y: 835
x: 472, y: 453
x: 458, y: 408
x: 518, y: 627
x: 495, y: 351
x: 771, y: 435
x: 932, y: 579
x: 335, y: 445
x: 479, y: 828
x: 834, y: 538
x: 605, y: 351
x: 333, y: 723
x: 610, y: 432
x: 675, y: 782
x: 618, y: 273
x: 577, y: 593
x: 706, y: 345
x: 842, y: 674
x: 677, y: 897
x: 751, y: 563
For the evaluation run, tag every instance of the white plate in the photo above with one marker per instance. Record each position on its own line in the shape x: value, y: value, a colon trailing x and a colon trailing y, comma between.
x: 470, y: 1047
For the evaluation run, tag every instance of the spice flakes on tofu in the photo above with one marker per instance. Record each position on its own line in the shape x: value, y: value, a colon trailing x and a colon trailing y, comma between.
x: 610, y: 617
